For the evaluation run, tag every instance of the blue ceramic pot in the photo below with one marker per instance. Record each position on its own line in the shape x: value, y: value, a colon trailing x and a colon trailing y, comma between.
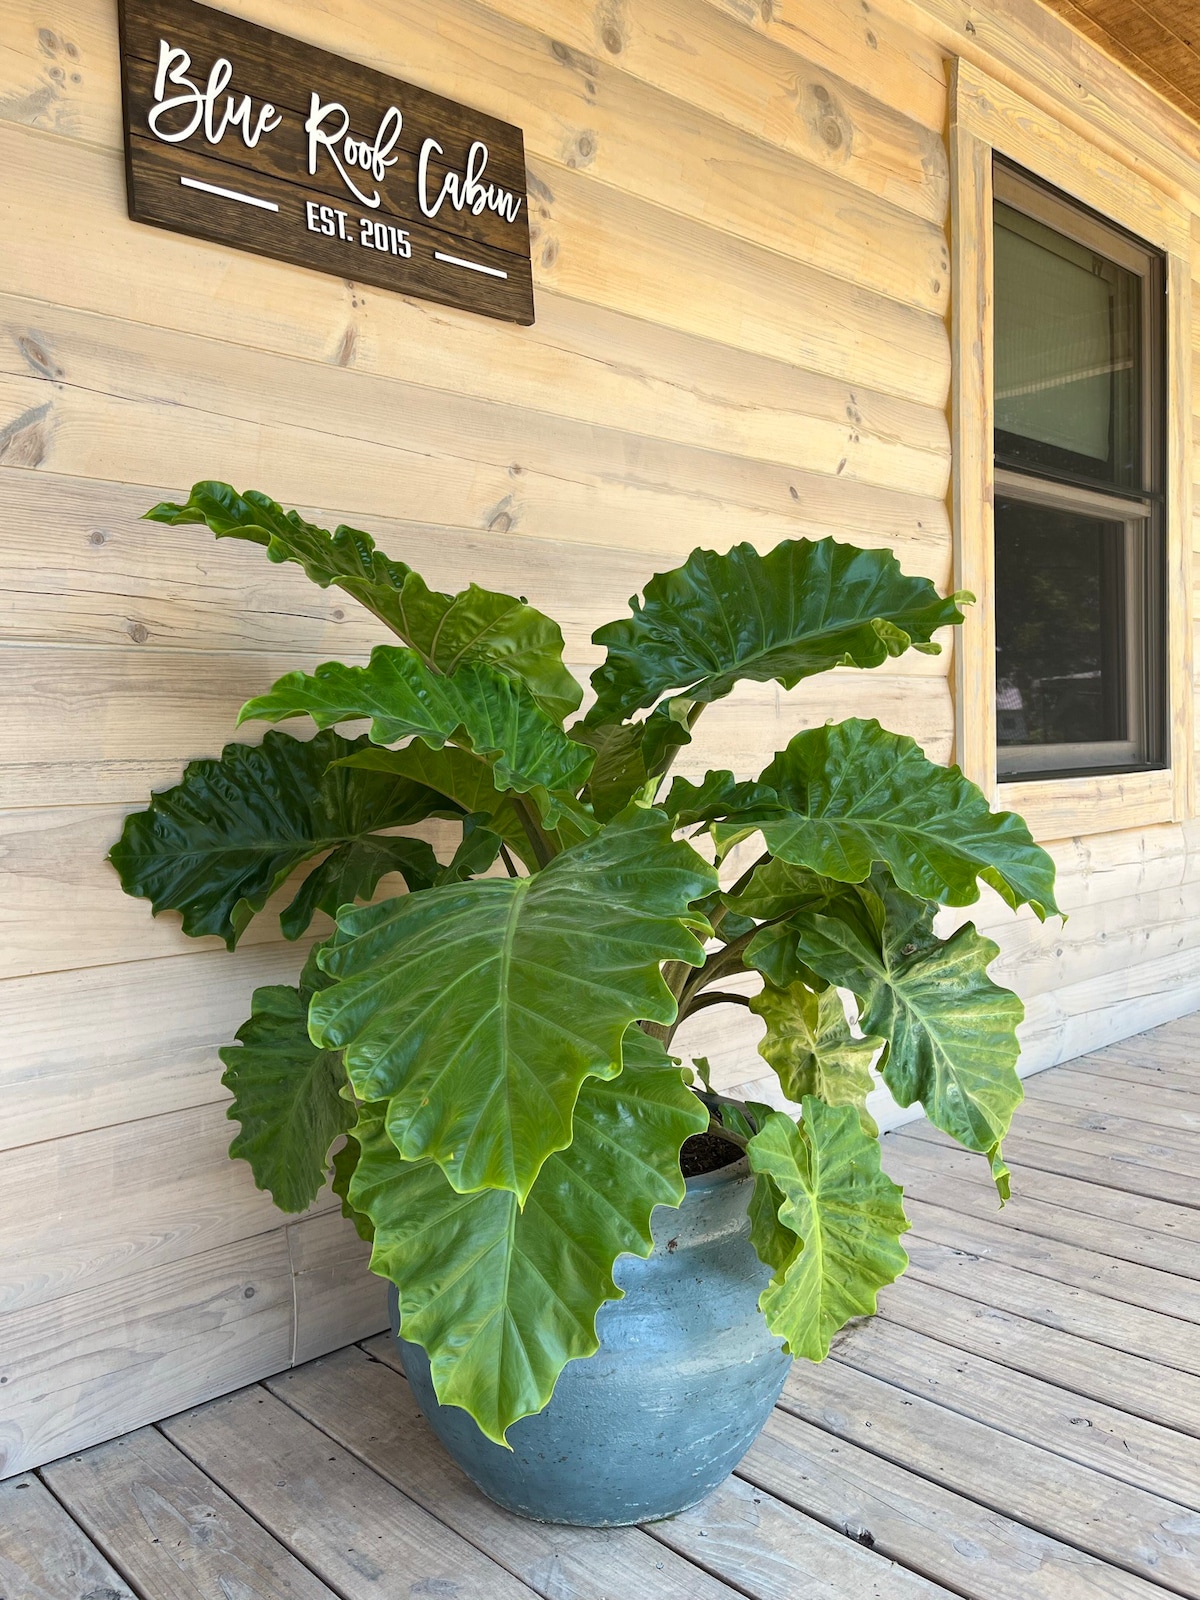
x: 680, y: 1388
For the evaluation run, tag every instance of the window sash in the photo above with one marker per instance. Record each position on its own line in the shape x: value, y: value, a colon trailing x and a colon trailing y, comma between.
x: 1140, y: 510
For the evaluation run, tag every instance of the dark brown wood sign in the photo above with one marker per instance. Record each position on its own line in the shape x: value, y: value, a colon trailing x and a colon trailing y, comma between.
x: 243, y: 136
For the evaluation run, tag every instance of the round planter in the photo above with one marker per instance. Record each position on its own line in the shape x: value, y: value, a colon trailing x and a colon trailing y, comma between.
x: 680, y: 1388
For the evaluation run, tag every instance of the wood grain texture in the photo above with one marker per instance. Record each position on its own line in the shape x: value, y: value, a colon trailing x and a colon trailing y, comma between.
x: 176, y: 1533
x: 1118, y: 1378
x: 92, y: 1365
x: 368, y: 1409
x: 121, y: 1201
x: 345, y: 1522
x: 748, y: 297
x: 44, y: 1554
x: 164, y: 1021
x: 336, y: 1297
x: 1098, y: 1436
x: 1085, y: 1509
x: 923, y: 1524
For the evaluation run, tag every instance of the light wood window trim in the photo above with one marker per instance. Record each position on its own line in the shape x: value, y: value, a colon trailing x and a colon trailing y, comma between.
x: 987, y: 118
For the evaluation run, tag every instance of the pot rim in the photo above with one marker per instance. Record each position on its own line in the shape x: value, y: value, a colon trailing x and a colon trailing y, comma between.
x: 732, y: 1171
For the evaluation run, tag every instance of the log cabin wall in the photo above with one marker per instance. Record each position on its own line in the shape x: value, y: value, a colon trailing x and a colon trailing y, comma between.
x: 742, y: 266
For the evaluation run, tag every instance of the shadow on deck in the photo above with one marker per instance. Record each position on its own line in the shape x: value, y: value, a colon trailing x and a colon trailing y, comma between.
x: 1020, y: 1422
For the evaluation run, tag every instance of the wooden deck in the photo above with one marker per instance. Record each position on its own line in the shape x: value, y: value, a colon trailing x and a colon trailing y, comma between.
x: 1021, y: 1422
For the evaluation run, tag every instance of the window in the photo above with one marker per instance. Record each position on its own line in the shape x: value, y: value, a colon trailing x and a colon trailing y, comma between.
x: 1079, y: 514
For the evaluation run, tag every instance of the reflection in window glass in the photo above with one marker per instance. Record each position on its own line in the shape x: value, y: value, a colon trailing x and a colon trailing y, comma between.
x: 1060, y: 633
x: 1067, y: 357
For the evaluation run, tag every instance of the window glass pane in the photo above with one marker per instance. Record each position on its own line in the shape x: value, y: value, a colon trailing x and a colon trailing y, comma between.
x: 1060, y: 626
x: 1066, y: 352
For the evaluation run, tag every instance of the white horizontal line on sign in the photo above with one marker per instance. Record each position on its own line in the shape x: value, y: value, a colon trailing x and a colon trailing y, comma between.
x: 473, y: 266
x: 229, y: 194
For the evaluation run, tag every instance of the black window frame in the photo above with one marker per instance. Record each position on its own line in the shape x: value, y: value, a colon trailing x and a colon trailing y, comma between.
x: 1029, y: 474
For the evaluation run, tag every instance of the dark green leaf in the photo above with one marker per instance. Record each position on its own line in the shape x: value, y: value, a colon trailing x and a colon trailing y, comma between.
x: 951, y: 1031
x: 286, y: 1095
x: 345, y: 1162
x: 718, y: 796
x: 219, y: 844
x: 846, y: 1214
x: 502, y: 1296
x: 466, y: 780
x: 352, y: 872
x: 403, y: 698
x: 447, y: 630
x: 478, y: 1009
x: 475, y: 854
x: 801, y: 609
x: 809, y: 1044
x: 851, y: 794
x: 450, y: 630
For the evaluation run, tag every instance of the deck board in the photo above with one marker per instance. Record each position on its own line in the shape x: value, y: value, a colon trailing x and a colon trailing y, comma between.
x: 1020, y: 1422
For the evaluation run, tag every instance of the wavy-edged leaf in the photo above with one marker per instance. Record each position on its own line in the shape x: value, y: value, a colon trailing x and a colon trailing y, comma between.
x: 345, y: 1162
x: 450, y: 630
x: 809, y: 1045
x: 720, y: 795
x: 403, y: 699
x: 503, y: 1296
x: 951, y: 1031
x: 477, y: 1010
x: 286, y: 1094
x: 804, y: 607
x: 218, y: 845
x: 845, y: 1213
x: 851, y: 795
x: 630, y: 754
x: 476, y: 852
x: 446, y: 630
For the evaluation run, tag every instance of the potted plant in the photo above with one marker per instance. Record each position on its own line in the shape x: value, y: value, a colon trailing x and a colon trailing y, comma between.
x: 484, y: 1063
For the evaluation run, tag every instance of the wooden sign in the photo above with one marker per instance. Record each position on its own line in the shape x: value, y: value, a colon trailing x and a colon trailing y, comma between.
x: 241, y: 135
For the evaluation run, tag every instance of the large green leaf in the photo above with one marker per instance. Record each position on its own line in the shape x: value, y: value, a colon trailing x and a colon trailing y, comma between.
x: 846, y: 1215
x: 450, y: 630
x: 802, y: 608
x: 503, y: 1296
x: 851, y: 794
x: 447, y: 630
x: 219, y: 844
x: 404, y: 698
x: 286, y: 1094
x: 951, y: 1031
x: 478, y: 1009
x: 809, y: 1044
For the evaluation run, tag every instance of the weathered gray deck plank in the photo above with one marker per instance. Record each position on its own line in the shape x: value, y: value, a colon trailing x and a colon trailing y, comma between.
x: 929, y: 1529
x: 966, y: 1192
x: 356, y: 1531
x: 1149, y: 1102
x: 1104, y: 1163
x: 1113, y: 1521
x: 368, y: 1408
x: 44, y: 1555
x: 1099, y: 1274
x: 1112, y: 1376
x: 1097, y: 1435
x: 177, y: 1535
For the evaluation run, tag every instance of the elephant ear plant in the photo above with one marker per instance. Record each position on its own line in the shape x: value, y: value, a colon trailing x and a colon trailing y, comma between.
x: 483, y: 1063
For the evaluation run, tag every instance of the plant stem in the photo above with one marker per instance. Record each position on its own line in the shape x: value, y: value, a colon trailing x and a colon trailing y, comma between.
x: 543, y: 850
x: 719, y: 997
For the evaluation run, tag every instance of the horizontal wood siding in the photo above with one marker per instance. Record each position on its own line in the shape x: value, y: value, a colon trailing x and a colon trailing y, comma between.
x: 743, y: 274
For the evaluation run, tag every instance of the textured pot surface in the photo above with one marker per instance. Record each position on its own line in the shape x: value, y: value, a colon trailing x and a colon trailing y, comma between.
x: 681, y: 1386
